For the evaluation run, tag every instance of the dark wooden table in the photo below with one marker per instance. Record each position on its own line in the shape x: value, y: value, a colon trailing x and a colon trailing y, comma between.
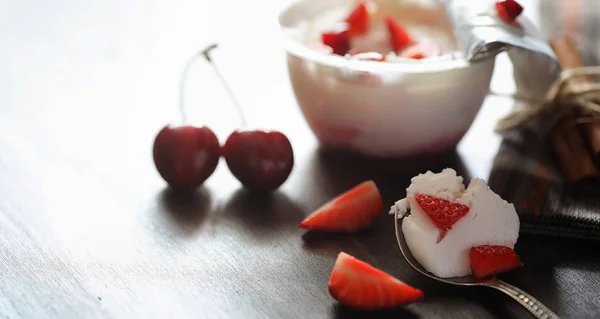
x: 89, y: 230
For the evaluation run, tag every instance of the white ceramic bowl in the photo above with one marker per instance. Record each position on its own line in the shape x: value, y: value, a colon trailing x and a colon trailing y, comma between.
x: 379, y: 108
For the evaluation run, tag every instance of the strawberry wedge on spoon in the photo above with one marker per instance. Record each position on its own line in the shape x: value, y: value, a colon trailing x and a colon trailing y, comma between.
x: 351, y: 211
x: 443, y: 213
x: 487, y: 261
x: 359, y: 285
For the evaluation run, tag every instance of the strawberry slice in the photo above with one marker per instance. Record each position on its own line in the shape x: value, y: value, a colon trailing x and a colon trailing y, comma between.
x: 351, y: 211
x: 399, y: 37
x: 358, y: 20
x: 508, y: 10
x: 359, y: 285
x: 443, y: 213
x: 488, y: 260
x: 338, y: 40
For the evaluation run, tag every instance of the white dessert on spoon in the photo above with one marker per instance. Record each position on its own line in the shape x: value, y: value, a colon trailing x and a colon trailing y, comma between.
x: 446, y: 221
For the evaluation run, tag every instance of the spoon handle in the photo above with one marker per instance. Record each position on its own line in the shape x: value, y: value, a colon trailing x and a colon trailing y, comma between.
x: 537, y: 309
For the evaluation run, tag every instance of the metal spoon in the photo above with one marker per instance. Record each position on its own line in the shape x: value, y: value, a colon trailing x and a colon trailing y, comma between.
x: 537, y: 309
x: 481, y: 35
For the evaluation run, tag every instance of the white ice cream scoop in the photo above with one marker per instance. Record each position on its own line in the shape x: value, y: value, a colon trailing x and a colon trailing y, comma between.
x: 537, y: 309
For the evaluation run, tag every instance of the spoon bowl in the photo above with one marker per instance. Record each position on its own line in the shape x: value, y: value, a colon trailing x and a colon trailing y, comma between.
x: 535, y: 307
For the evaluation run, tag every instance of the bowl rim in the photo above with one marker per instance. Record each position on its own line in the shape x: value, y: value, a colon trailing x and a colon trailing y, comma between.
x: 448, y: 62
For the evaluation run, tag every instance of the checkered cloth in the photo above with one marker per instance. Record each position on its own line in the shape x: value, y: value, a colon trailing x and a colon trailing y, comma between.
x: 525, y: 171
x: 526, y: 174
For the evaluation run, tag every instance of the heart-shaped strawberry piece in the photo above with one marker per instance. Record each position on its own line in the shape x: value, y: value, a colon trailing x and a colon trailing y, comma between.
x: 442, y: 212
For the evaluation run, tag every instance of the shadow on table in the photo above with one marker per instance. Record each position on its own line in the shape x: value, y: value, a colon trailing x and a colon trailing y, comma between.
x: 335, y: 171
x: 542, y: 256
x: 358, y: 244
x: 479, y: 301
x: 262, y: 215
x: 185, y: 211
x: 341, y: 311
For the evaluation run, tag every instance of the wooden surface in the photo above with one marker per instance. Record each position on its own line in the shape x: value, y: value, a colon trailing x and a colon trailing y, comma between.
x: 89, y: 230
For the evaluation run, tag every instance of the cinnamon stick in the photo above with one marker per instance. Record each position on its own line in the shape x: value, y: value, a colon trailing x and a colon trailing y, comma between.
x: 570, y: 146
x: 571, y: 151
x: 592, y: 132
x: 565, y: 48
x: 569, y: 57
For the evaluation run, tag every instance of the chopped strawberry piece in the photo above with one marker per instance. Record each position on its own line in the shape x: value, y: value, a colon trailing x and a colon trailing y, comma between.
x: 351, y: 211
x: 339, y: 41
x: 359, y: 285
x: 358, y: 20
x: 508, y: 10
x: 443, y: 213
x: 420, y: 51
x: 487, y: 260
x: 399, y: 37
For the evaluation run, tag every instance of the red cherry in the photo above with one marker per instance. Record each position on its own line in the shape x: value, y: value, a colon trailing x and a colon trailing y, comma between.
x: 186, y: 156
x: 259, y: 160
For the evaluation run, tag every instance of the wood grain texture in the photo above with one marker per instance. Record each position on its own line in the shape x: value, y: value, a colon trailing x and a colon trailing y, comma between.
x: 88, y: 229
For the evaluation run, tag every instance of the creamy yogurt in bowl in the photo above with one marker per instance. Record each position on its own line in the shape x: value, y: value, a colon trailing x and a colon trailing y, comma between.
x: 393, y: 108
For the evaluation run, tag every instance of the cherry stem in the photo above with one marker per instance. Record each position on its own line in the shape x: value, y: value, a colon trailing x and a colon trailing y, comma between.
x: 182, y: 81
x: 236, y: 103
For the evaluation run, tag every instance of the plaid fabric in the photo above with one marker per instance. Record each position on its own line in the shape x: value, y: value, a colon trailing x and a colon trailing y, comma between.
x: 525, y: 171
x: 526, y: 174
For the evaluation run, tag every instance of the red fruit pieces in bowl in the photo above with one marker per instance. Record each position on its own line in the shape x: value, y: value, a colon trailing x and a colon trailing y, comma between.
x: 489, y: 260
x: 399, y: 37
x: 443, y: 213
x: 358, y: 19
x: 508, y: 10
x: 337, y: 40
x: 357, y: 23
x: 351, y: 211
x: 359, y: 285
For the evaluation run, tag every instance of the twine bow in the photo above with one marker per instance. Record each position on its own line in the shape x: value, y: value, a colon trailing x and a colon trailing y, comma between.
x: 574, y: 93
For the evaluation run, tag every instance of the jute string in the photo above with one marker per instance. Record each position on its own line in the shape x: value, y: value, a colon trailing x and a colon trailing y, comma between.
x: 573, y: 94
